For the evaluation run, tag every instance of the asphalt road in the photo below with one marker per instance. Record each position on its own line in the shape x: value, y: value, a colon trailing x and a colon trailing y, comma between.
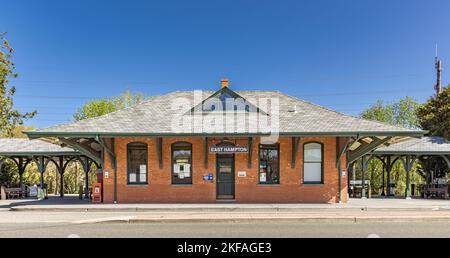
x: 231, y: 230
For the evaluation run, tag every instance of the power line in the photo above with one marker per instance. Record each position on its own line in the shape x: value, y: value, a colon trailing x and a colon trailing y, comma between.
x: 331, y: 94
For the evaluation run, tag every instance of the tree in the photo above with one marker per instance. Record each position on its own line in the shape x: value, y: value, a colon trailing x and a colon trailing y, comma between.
x: 17, y: 131
x: 99, y: 107
x: 402, y: 113
x: 9, y: 117
x: 434, y: 115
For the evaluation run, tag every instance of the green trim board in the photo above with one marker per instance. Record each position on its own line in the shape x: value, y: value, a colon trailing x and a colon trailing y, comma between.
x: 28, y: 154
x: 37, y: 134
x: 413, y: 153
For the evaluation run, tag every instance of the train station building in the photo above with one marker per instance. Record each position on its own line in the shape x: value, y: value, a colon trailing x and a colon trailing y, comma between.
x: 224, y: 146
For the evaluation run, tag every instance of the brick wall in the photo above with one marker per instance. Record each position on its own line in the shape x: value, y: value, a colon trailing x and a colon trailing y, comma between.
x: 160, y: 189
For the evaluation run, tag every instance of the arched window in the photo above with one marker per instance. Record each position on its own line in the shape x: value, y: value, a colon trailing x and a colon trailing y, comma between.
x: 313, y: 163
x: 137, y: 157
x: 181, y: 163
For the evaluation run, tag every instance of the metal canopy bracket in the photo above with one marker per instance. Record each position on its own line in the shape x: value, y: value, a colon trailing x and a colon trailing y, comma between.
x: 295, y: 144
x: 21, y: 164
x: 61, y: 164
x: 84, y: 149
x: 109, y: 150
x: 366, y: 148
x: 41, y: 163
x: 447, y: 159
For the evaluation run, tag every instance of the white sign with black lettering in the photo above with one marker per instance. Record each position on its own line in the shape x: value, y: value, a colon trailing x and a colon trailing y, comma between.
x: 242, y: 174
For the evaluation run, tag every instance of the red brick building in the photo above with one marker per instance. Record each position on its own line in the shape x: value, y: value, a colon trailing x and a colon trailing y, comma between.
x: 242, y: 146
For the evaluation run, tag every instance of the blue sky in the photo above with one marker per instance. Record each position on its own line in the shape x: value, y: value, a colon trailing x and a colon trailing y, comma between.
x: 341, y: 54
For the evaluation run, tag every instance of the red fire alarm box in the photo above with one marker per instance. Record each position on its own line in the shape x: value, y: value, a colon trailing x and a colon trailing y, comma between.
x: 97, y: 193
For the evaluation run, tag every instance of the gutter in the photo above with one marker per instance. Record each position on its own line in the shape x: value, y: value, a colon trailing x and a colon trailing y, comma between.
x: 38, y: 134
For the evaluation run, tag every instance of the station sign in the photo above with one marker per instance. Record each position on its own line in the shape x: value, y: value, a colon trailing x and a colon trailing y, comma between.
x: 228, y: 149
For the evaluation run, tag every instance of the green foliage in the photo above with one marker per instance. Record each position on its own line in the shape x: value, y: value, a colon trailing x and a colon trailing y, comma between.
x: 100, y: 107
x: 434, y: 115
x: 402, y: 113
x: 9, y: 117
x: 9, y: 175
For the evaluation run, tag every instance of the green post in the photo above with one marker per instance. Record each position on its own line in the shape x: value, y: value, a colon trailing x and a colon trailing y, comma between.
x: 408, y: 164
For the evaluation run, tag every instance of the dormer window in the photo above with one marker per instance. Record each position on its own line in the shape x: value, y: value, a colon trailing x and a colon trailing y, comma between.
x: 226, y: 100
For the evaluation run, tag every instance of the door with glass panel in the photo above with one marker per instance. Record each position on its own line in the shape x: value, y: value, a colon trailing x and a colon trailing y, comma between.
x: 225, y: 177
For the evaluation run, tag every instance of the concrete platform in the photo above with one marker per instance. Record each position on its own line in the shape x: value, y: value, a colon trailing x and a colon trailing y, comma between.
x: 73, y: 211
x: 72, y: 203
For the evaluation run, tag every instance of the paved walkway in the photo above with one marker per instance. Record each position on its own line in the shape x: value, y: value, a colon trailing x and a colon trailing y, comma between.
x: 72, y: 203
x: 72, y: 210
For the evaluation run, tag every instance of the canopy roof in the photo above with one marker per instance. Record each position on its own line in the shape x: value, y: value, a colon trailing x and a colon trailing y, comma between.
x: 155, y: 117
x: 417, y: 146
x: 26, y: 147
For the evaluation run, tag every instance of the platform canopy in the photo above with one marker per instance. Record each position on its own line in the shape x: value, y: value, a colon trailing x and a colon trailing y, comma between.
x: 430, y: 145
x: 430, y: 151
x: 27, y: 148
x: 23, y: 152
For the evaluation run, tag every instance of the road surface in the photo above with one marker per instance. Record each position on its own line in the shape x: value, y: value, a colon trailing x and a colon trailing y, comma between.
x: 229, y: 230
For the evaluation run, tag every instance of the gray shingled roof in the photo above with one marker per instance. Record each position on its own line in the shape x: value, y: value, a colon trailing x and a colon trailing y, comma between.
x: 155, y: 117
x: 424, y: 145
x: 26, y: 147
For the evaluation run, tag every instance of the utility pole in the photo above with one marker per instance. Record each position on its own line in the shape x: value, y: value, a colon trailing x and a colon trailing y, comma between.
x: 438, y: 86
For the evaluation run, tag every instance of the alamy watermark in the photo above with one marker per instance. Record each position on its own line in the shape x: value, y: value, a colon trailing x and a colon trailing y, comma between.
x: 226, y: 115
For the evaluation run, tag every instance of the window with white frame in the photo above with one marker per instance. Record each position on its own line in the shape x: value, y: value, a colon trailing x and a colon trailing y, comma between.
x: 313, y: 163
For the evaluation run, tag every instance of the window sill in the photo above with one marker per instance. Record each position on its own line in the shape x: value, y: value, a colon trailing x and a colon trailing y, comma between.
x: 313, y: 184
x: 268, y: 185
x: 182, y: 185
x: 137, y: 185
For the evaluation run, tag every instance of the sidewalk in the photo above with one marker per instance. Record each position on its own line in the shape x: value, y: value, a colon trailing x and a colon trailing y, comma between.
x: 70, y: 203
x: 74, y: 211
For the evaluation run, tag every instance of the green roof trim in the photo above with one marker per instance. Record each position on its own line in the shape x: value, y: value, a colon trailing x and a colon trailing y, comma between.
x: 38, y: 134
x: 21, y: 147
x: 430, y: 145
x: 31, y: 154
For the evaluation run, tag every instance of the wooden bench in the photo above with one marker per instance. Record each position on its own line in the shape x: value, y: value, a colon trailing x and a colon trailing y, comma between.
x: 440, y: 191
x: 356, y: 186
x: 15, y: 193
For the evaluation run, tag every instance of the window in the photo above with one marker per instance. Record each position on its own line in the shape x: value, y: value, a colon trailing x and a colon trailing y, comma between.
x: 313, y: 163
x: 269, y: 164
x: 137, y: 157
x: 181, y: 163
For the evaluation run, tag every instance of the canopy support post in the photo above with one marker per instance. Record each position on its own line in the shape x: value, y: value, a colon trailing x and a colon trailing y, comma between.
x: 408, y: 163
x: 86, y: 163
x: 365, y: 160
